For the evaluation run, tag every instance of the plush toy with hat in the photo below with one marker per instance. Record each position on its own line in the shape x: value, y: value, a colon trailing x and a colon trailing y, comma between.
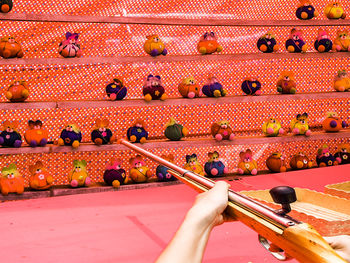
x: 221, y: 130
x: 162, y: 172
x: 18, y: 91
x: 116, y: 90
x: 208, y: 44
x: 137, y: 132
x: 70, y: 136
x: 325, y: 158
x: 300, y: 126
x: 79, y: 175
x: 251, y: 86
x: 306, y: 10
x: 36, y: 134
x: 300, y: 161
x: 323, y: 42
x: 188, y: 88
x: 333, y: 123
x: 153, y: 89
x: 286, y: 83
x: 70, y: 47
x: 114, y: 174
x: 5, y: 6
x: 295, y: 43
x: 139, y: 172
x: 334, y: 10
x: 101, y: 133
x: 213, y: 88
x: 9, y: 137
x: 247, y: 164
x: 267, y: 43
x: 343, y: 153
x: 11, y: 181
x: 214, y: 167
x: 174, y: 131
x: 272, y: 128
x: 193, y: 165
x: 342, y: 81
x: 40, y: 179
x: 9, y: 48
x: 342, y: 41
x: 276, y: 163
x: 154, y: 46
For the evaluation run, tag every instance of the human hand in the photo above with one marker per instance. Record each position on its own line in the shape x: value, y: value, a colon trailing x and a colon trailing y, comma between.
x: 207, y: 210
x: 341, y: 244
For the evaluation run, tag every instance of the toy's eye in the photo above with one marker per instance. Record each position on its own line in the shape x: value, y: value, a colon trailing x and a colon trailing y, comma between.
x: 305, y: 161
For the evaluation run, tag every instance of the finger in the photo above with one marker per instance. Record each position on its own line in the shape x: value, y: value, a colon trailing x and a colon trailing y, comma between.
x: 333, y: 241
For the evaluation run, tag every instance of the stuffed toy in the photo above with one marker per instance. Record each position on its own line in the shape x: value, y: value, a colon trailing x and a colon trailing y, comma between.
x: 323, y: 42
x: 325, y: 158
x: 286, y: 83
x: 5, y: 6
x: 213, y: 88
x: 79, y: 176
x: 39, y: 179
x: 193, y: 165
x: 116, y: 90
x: 343, y: 154
x: 162, y: 172
x: 332, y: 123
x: 154, y: 46
x: 9, y: 48
x: 9, y: 137
x: 334, y: 10
x: 221, y: 130
x: 214, y: 167
x: 174, y: 131
x: 208, y: 44
x: 189, y: 89
x: 342, y: 41
x: 36, y: 135
x: 11, y: 181
x: 70, y: 136
x: 251, y: 86
x: 153, y: 89
x: 295, y: 43
x: 306, y: 10
x: 342, y: 81
x: 139, y: 172
x: 267, y: 43
x: 18, y: 91
x: 101, y: 134
x: 300, y: 126
x: 137, y: 133
x: 247, y: 165
x: 114, y: 175
x: 70, y: 47
x: 300, y: 161
x: 276, y: 163
x: 272, y: 128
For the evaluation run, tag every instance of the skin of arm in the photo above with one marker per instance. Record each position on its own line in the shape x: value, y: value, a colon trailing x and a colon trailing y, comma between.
x: 341, y: 244
x: 191, y: 238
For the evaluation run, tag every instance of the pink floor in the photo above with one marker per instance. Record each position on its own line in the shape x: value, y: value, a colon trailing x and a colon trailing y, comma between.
x: 134, y: 225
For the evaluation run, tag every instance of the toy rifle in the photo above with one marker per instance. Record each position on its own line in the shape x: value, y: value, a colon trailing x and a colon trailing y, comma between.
x: 283, y: 236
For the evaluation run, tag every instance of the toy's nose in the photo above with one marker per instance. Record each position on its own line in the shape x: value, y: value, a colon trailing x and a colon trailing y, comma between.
x: 333, y: 124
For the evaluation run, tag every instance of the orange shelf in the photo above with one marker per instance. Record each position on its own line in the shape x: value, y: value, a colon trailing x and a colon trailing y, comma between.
x: 169, y: 21
x: 199, y: 142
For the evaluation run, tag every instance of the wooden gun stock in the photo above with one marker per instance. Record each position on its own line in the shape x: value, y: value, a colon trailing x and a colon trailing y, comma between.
x: 298, y: 240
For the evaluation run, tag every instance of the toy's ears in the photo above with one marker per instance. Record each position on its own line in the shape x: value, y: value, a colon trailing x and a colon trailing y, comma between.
x: 98, y: 121
x: 32, y: 168
x: 216, y: 153
x: 149, y: 76
x: 305, y: 114
x: 119, y: 80
x: 31, y: 123
x: 39, y: 163
x: 149, y: 37
x: 171, y: 157
x: 210, y: 154
x: 84, y: 162
x: 38, y: 122
x: 131, y: 160
x: 68, y: 35
x: 158, y: 77
x: 249, y: 152
x: 298, y: 116
x: 105, y: 122
x: 75, y: 162
x: 15, y: 124
x: 212, y: 34
x: 12, y: 166
x: 76, y: 36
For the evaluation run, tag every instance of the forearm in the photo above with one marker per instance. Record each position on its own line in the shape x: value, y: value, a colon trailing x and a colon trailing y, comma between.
x: 189, y: 242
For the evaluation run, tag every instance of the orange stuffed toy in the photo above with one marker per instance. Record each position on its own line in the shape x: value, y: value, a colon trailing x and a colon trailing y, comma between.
x: 208, y: 44
x: 139, y: 173
x: 18, y: 91
x: 9, y: 48
x: 11, y: 181
x: 35, y: 134
x: 40, y: 179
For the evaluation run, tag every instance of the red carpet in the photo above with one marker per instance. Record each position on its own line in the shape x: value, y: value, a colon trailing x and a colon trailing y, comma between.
x: 133, y: 226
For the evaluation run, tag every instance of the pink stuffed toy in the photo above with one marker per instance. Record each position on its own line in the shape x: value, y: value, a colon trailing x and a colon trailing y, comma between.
x: 70, y: 47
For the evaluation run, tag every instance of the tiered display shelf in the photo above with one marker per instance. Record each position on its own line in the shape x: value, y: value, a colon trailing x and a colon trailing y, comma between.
x: 71, y: 90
